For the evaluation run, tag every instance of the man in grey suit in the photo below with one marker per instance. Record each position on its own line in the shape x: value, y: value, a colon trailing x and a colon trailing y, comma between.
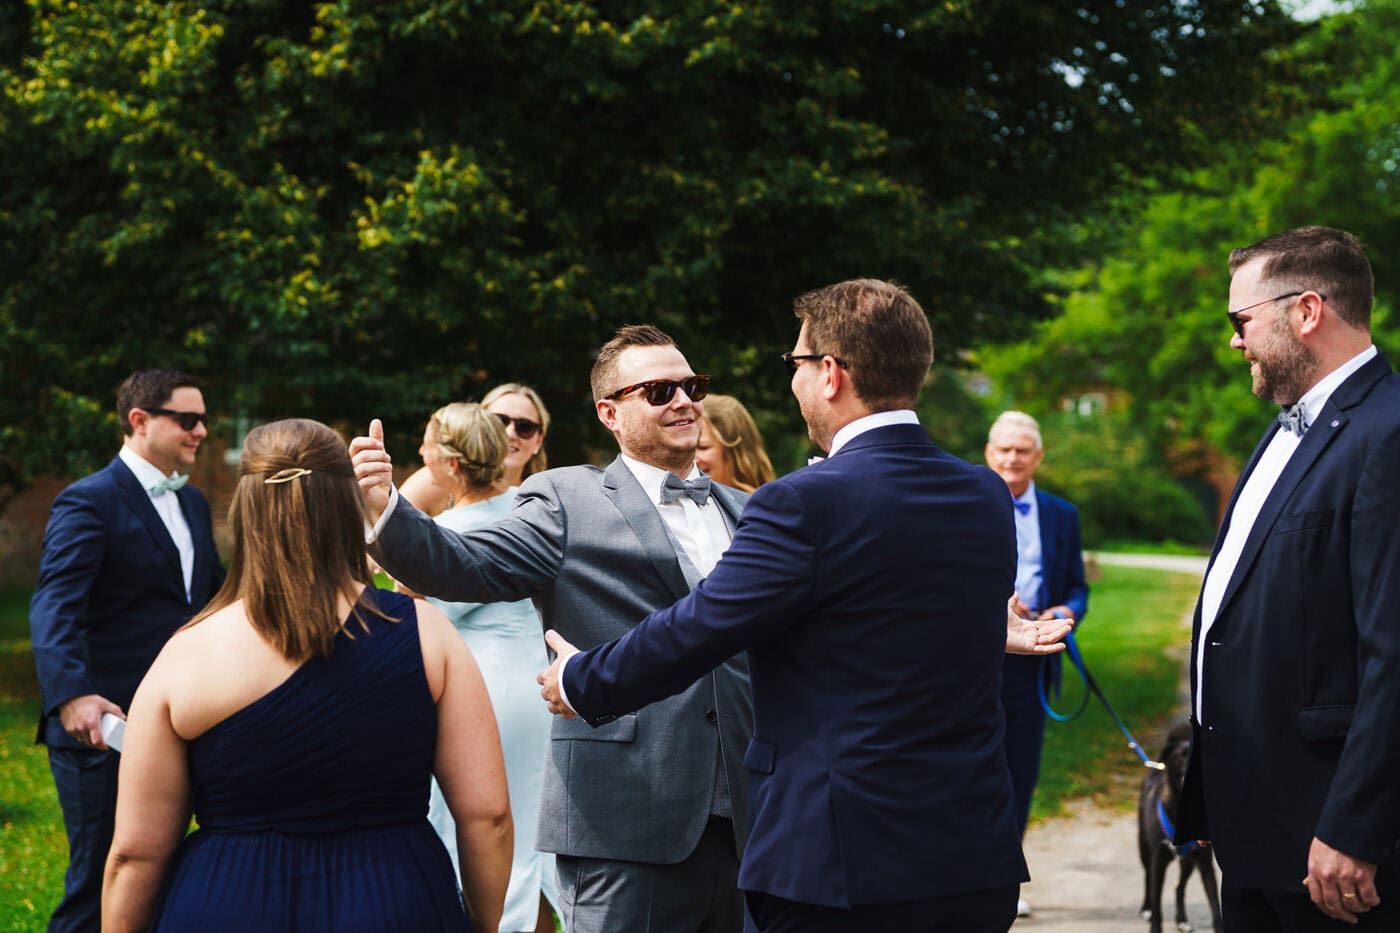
x: 647, y: 813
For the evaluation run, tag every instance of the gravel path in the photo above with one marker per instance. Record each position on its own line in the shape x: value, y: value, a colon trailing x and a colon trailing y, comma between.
x: 1178, y: 563
x: 1086, y: 874
x: 1087, y: 877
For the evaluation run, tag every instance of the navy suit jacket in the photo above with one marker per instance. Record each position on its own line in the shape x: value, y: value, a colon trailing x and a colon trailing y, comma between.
x: 870, y: 592
x: 1061, y: 556
x: 1301, y: 699
x: 111, y: 591
x: 1061, y: 584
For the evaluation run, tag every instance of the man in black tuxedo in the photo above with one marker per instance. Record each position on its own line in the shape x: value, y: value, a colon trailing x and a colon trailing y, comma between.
x: 1295, y: 661
x: 128, y: 558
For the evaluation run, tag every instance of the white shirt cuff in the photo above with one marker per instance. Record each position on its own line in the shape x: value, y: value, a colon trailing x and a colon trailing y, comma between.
x: 372, y: 534
x: 563, y: 694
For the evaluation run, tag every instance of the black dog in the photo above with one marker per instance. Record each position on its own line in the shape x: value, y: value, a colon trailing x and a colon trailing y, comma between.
x: 1157, y: 809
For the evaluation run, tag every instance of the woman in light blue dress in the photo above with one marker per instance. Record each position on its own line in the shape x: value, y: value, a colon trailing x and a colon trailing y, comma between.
x: 465, y: 447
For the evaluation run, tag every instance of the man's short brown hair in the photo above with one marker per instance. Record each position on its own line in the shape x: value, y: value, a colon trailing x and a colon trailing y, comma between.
x: 149, y: 388
x: 631, y: 335
x: 1329, y: 261
x: 879, y: 331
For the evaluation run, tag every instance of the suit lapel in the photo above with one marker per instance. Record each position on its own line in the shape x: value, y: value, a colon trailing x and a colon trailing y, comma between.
x: 139, y: 502
x: 1047, y: 525
x: 627, y: 494
x: 1328, y: 425
x: 728, y: 507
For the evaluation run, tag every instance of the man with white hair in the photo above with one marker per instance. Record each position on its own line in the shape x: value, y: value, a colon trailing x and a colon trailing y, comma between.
x: 1049, y: 584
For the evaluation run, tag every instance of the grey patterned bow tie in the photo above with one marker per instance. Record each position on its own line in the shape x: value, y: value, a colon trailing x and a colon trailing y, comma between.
x: 697, y: 490
x: 1293, y: 419
x: 169, y: 484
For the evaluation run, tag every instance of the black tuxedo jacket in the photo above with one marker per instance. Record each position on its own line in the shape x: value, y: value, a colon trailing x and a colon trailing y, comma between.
x: 1300, y: 731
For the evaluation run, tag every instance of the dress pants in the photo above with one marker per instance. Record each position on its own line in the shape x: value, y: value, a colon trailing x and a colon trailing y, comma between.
x: 1025, y: 729
x: 86, y: 781
x: 991, y: 911
x: 697, y: 895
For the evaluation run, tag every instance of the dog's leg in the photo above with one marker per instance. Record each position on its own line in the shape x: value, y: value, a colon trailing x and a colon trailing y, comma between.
x: 1148, y: 835
x: 1184, y: 865
x: 1161, y: 855
x: 1145, y: 851
x: 1212, y: 894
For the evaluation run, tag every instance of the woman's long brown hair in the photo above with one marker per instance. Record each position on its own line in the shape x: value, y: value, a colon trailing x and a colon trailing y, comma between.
x: 298, y: 538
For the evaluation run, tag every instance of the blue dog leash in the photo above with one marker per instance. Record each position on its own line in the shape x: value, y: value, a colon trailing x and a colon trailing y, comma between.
x: 1165, y: 822
x: 1091, y: 686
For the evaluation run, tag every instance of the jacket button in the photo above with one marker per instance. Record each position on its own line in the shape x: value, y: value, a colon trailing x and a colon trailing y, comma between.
x: 711, y: 716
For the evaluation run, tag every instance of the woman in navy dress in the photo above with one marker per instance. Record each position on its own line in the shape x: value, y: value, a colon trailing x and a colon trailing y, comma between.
x: 300, y: 717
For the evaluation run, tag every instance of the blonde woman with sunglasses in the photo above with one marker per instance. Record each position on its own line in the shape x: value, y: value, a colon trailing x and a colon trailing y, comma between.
x: 525, y: 418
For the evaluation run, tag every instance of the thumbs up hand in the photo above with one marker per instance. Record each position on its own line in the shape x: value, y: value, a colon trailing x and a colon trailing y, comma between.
x: 374, y: 471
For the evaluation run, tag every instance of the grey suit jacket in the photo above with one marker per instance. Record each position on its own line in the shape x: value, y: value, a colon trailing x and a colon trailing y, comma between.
x: 589, y: 548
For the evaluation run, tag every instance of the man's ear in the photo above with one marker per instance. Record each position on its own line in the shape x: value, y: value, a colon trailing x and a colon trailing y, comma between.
x: 138, y: 419
x: 607, y: 413
x: 834, y: 379
x: 1312, y: 307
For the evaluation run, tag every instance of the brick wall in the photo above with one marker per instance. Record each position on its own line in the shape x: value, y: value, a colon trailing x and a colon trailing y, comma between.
x: 22, y: 523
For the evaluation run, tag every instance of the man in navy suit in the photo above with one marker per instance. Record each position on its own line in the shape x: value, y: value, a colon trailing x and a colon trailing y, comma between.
x: 870, y: 591
x: 128, y: 558
x: 1049, y: 585
x: 1295, y: 659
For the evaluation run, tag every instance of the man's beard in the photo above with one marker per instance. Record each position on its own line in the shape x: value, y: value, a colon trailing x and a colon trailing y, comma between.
x: 1285, y: 368
x: 648, y: 445
x: 818, y: 430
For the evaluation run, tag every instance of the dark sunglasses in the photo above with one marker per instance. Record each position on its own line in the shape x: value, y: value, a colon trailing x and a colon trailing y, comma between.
x: 793, y: 360
x: 185, y: 419
x: 524, y: 427
x: 661, y: 391
x: 1234, y: 316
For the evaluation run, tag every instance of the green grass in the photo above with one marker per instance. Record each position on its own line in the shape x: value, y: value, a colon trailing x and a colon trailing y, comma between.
x: 1134, y: 642
x: 33, y: 849
x: 1174, y: 548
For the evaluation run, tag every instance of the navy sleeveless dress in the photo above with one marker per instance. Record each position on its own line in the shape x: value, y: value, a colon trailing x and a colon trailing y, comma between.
x: 312, y: 801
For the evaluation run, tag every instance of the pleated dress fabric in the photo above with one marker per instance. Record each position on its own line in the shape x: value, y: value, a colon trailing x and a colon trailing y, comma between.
x: 312, y: 800
x: 508, y: 643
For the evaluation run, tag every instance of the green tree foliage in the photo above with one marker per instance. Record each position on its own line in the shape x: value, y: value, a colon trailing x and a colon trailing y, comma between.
x: 353, y: 208
x: 1147, y: 322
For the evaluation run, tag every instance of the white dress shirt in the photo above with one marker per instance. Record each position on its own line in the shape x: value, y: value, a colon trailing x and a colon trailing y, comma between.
x: 1251, y: 500
x: 167, y: 506
x: 701, y: 531
x: 1029, y: 563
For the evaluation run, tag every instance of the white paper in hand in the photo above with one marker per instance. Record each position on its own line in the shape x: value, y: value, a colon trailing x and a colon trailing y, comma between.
x: 113, y: 728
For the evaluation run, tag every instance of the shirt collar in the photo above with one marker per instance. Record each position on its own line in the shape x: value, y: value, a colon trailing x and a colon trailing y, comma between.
x: 651, y: 477
x: 1027, y: 496
x: 147, y: 473
x: 881, y: 419
x: 1313, y: 400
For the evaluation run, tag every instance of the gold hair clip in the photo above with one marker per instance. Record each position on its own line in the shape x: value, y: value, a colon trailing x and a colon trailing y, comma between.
x: 286, y: 476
